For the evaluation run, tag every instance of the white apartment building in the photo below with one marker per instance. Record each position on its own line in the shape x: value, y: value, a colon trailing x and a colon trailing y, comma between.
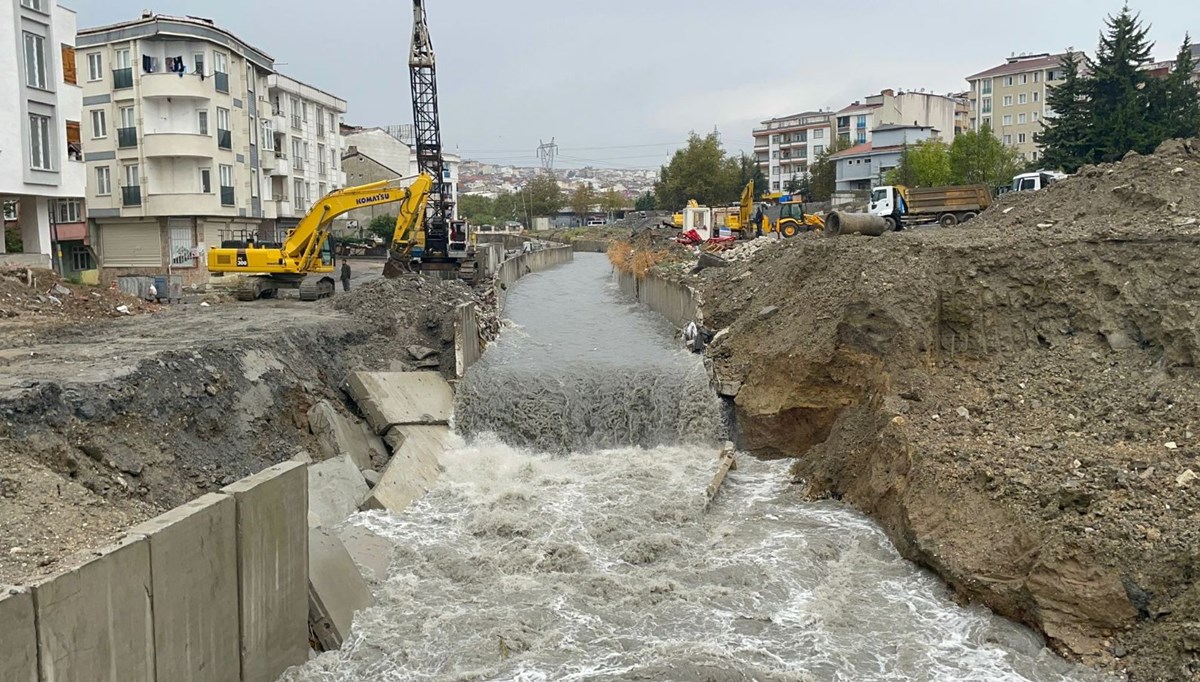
x: 172, y: 113
x: 1011, y: 99
x: 786, y: 147
x: 856, y: 122
x: 373, y: 154
x: 41, y: 170
x: 302, y: 147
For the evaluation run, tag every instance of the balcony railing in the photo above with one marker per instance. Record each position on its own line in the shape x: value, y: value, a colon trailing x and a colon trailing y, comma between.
x: 126, y: 137
x: 131, y: 195
x: 122, y: 78
x: 222, y: 82
x: 224, y: 139
x: 226, y: 196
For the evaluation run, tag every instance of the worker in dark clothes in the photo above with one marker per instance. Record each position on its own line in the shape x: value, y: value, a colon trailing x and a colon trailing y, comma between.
x: 345, y: 276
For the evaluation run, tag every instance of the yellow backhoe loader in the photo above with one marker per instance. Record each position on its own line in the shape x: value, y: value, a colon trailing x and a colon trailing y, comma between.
x: 305, y: 260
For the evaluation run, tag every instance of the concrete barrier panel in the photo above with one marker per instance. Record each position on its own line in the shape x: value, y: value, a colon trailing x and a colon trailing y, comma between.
x: 339, y: 435
x: 18, y: 649
x: 95, y: 622
x: 413, y: 469
x: 272, y: 558
x: 336, y: 588
x: 193, y: 568
x: 468, y: 346
x: 390, y: 399
x: 335, y: 488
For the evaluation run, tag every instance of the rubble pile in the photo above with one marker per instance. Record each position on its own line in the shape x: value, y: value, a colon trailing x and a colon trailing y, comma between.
x: 33, y: 294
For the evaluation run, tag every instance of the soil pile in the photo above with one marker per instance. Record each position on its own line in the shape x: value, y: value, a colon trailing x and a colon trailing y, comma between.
x: 1015, y: 399
x: 37, y: 296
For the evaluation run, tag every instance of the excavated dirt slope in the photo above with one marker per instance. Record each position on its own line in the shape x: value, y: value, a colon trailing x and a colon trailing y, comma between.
x: 1016, y: 401
x: 104, y: 423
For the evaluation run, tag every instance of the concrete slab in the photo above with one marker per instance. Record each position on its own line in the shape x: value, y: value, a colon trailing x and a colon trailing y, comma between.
x: 193, y: 568
x: 335, y: 487
x: 19, y: 654
x: 390, y: 399
x: 272, y: 555
x: 372, y: 553
x: 77, y: 610
x: 339, y: 435
x: 413, y: 469
x: 336, y: 589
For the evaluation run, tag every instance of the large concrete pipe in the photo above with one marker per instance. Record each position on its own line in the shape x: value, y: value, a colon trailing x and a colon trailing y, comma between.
x: 839, y: 222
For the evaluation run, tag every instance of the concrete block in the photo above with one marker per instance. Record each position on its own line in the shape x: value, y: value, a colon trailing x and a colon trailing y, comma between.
x: 77, y: 611
x: 272, y: 556
x: 193, y: 568
x: 413, y: 469
x: 19, y: 653
x: 335, y: 487
x: 390, y: 399
x: 339, y: 435
x: 336, y: 589
x: 372, y: 553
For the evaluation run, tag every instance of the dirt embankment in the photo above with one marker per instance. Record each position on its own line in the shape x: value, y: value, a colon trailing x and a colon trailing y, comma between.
x: 1016, y: 401
x: 104, y: 423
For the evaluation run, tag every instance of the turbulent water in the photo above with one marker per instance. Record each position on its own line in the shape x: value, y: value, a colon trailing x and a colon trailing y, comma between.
x: 601, y: 564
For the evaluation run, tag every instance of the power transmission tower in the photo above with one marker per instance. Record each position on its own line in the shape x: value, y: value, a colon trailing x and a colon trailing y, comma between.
x: 546, y: 153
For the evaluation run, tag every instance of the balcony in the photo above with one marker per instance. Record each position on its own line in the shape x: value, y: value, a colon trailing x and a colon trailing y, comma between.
x: 126, y: 138
x: 224, y: 139
x: 283, y: 207
x: 185, y: 203
x: 222, y: 80
x: 164, y: 85
x: 122, y: 78
x: 226, y: 196
x: 177, y: 144
x: 271, y: 160
x: 131, y: 196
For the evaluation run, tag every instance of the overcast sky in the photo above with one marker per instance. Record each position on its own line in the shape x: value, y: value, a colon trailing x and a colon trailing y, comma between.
x: 619, y: 83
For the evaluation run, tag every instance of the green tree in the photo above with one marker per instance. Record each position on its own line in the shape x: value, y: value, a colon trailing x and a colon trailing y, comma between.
x: 1181, y: 97
x: 581, y: 201
x: 645, y: 202
x: 1066, y: 137
x: 700, y: 171
x: 1122, y: 97
x: 543, y: 195
x: 924, y: 164
x: 612, y: 201
x: 383, y: 226
x: 979, y: 157
x: 480, y: 210
x: 823, y: 175
x: 792, y: 186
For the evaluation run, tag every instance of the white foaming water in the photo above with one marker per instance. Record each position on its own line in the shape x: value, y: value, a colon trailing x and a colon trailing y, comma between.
x: 520, y: 566
x: 601, y: 565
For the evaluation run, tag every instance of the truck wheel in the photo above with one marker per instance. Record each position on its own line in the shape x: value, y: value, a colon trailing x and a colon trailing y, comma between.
x: 891, y: 224
x: 788, y: 231
x: 969, y: 216
x: 948, y: 220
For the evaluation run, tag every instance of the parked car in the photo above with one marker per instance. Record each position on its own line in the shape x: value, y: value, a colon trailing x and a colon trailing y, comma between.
x: 594, y: 222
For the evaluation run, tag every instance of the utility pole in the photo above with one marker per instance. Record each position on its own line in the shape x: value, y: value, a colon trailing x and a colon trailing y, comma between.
x: 546, y: 153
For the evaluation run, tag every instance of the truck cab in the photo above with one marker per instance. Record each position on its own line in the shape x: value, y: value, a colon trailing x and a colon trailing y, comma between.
x: 1031, y: 182
x: 883, y: 200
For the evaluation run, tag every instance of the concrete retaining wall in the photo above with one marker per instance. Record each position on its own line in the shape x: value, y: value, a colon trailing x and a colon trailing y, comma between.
x: 675, y: 301
x: 215, y: 590
x: 591, y: 245
x: 514, y: 269
x: 468, y: 346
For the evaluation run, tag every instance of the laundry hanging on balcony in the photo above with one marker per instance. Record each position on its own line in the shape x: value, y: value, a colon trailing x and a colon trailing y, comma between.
x: 175, y: 65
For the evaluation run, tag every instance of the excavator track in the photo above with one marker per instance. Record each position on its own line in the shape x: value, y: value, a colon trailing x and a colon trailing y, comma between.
x: 254, y: 288
x: 316, y: 287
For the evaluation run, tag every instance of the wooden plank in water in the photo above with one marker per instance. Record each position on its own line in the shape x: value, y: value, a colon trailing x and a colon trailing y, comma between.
x: 726, y: 464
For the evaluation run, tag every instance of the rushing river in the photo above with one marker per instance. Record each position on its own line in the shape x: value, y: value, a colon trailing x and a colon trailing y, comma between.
x: 567, y: 539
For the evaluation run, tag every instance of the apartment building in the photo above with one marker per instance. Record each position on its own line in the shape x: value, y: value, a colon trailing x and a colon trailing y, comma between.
x: 302, y: 149
x: 1011, y: 98
x: 855, y: 123
x: 786, y: 147
x: 41, y: 169
x: 172, y: 113
x: 374, y: 154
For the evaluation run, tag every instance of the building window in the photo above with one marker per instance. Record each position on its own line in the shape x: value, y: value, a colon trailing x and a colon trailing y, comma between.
x: 1033, y: 156
x: 304, y: 111
x: 268, y: 135
x: 202, y: 121
x: 987, y: 87
x: 295, y: 113
x: 775, y: 155
x: 103, y: 181
x: 35, y: 61
x: 34, y: 4
x: 81, y: 258
x: 1008, y: 100
x: 221, y: 71
x: 818, y: 149
x: 131, y: 193
x: 99, y: 124
x: 224, y: 135
x: 1008, y: 140
x: 1021, y: 138
x: 254, y: 183
x: 320, y: 122
x: 226, y: 173
x: 1008, y: 81
x: 1024, y: 78
x: 861, y: 122
x: 321, y: 189
x: 198, y: 63
x: 69, y: 211
x: 1020, y: 118
x: 95, y: 66
x: 182, y: 244
x: 1037, y: 77
x: 1036, y: 96
x: 1007, y: 120
x: 774, y: 186
x: 321, y: 168
x: 862, y: 137
x: 331, y: 130
x: 987, y: 105
x: 206, y: 181
x: 297, y: 154
x: 1035, y: 115
x: 819, y: 134
x: 298, y: 194
x: 775, y: 170
x: 39, y: 142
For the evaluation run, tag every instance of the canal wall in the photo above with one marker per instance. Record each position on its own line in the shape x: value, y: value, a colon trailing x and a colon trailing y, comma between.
x: 674, y: 300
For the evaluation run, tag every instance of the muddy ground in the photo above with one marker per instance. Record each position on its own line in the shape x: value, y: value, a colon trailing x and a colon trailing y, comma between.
x: 108, y: 420
x: 1016, y: 400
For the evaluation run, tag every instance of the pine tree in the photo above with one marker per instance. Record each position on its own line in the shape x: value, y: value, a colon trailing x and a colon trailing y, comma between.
x: 1066, y: 138
x: 1181, y: 97
x: 1123, y: 101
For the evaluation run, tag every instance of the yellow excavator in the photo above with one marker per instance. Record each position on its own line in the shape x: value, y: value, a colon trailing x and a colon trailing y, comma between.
x: 305, y: 260
x: 793, y: 220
